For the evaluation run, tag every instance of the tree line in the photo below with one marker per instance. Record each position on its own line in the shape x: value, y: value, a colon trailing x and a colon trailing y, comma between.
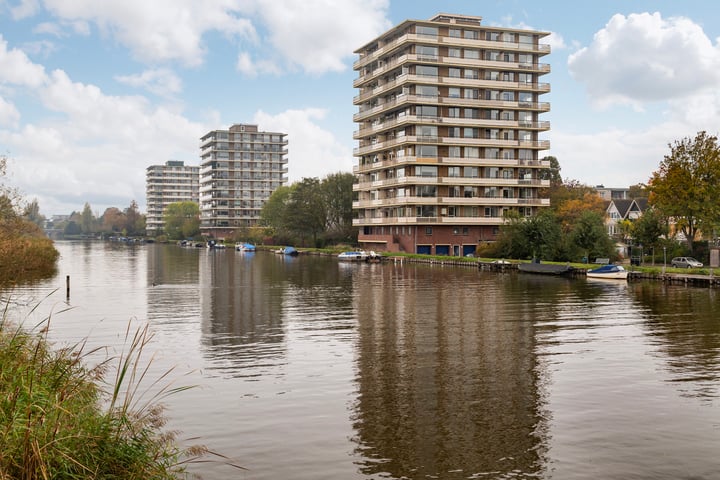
x: 682, y: 218
x: 25, y: 251
x: 114, y: 221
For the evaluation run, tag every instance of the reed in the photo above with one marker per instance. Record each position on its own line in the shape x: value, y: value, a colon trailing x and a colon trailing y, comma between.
x: 58, y: 422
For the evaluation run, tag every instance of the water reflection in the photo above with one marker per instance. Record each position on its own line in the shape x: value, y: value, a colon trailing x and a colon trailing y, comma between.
x: 247, y: 301
x: 448, y: 384
x: 683, y: 324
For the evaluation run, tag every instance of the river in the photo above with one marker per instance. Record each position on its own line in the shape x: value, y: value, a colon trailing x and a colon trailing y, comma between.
x: 308, y: 368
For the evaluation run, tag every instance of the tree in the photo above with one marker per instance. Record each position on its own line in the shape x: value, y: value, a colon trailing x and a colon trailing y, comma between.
x: 571, y: 208
x: 273, y: 212
x: 588, y: 234
x: 649, y: 228
x: 306, y: 212
x: 638, y: 191
x: 182, y: 220
x: 686, y: 186
x: 552, y: 173
x: 32, y: 213
x: 134, y: 221
x: 337, y: 190
x: 87, y: 220
x: 113, y: 220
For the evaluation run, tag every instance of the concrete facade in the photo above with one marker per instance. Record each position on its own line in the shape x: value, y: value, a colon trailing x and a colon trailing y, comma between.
x: 166, y: 184
x: 448, y: 133
x: 239, y: 169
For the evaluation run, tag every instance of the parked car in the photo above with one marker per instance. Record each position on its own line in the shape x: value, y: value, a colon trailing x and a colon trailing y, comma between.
x: 685, y: 262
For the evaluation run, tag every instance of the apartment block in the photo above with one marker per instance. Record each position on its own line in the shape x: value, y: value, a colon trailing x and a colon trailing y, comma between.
x: 166, y: 184
x: 449, y: 133
x: 239, y: 169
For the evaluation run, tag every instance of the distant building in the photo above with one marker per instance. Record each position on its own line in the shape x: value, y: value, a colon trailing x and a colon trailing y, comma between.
x: 239, y: 169
x: 166, y: 184
x: 449, y: 133
x: 609, y: 194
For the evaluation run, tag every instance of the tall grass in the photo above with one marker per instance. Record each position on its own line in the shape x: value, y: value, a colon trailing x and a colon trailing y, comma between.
x: 58, y: 422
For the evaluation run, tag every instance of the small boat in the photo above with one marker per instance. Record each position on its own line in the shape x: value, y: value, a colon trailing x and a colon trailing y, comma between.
x: 244, y: 247
x: 213, y: 245
x: 353, y: 256
x: 613, y: 272
x: 288, y: 251
x: 546, y: 268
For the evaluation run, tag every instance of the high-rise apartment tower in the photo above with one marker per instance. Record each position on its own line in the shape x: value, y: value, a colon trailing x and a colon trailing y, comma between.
x: 448, y: 131
x: 166, y: 184
x: 239, y: 169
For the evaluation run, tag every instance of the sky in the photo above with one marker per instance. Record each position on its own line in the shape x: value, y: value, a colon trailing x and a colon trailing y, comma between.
x: 93, y: 92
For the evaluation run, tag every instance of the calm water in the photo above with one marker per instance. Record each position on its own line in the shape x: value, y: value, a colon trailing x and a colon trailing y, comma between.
x: 311, y: 369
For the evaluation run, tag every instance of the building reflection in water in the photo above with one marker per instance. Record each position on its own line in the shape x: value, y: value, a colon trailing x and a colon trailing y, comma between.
x: 683, y: 324
x: 448, y: 378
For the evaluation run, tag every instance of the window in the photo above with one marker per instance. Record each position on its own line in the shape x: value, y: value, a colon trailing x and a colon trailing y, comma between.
x: 525, y: 97
x: 470, y: 192
x: 470, y: 34
x: 427, y: 131
x: 471, y: 53
x: 471, y: 93
x: 426, y: 171
x: 427, y: 51
x: 428, y: 230
x: 454, y: 52
x: 471, y: 113
x: 454, y: 132
x: 426, y: 111
x: 470, y: 172
x: 454, y: 92
x: 471, y: 74
x: 426, y: 70
x: 426, y: 90
x: 492, y: 75
x: 492, y: 172
x: 493, y: 114
x: 472, y: 152
x: 454, y: 32
x: 454, y: 112
x: 427, y: 191
x: 426, y: 30
x: 469, y: 132
x: 507, y: 96
x: 492, y: 153
x: 454, y: 152
x: 454, y: 72
x: 453, y: 171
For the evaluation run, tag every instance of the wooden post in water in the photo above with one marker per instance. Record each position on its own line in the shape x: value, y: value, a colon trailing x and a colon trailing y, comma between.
x: 67, y: 286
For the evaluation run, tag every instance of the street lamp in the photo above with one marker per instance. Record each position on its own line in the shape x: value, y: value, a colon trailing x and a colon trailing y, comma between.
x: 664, y: 258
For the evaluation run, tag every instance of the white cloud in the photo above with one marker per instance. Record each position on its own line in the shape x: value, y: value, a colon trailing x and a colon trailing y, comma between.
x: 555, y: 40
x: 250, y: 68
x: 26, y: 8
x: 9, y: 115
x: 643, y: 57
x: 318, y: 35
x: 312, y: 150
x: 49, y: 28
x: 160, y: 30
x: 160, y: 81
x: 16, y: 68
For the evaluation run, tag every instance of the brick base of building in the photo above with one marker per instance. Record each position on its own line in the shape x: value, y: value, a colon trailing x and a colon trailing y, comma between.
x: 456, y: 240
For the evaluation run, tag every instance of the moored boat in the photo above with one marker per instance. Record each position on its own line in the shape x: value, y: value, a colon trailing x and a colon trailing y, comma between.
x: 288, y: 251
x: 354, y: 256
x: 546, y: 268
x: 613, y: 272
x: 244, y: 247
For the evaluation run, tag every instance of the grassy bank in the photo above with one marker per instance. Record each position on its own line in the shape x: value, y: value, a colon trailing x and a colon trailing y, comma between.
x: 58, y: 422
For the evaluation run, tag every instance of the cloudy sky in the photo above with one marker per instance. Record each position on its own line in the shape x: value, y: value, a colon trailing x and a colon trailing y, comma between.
x: 93, y: 92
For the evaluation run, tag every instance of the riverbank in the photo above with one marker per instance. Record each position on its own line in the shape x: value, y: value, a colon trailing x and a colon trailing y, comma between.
x: 52, y: 424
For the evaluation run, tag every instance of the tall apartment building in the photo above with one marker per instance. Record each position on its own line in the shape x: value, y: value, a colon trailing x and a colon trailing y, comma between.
x: 239, y: 169
x: 448, y: 131
x: 166, y: 184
